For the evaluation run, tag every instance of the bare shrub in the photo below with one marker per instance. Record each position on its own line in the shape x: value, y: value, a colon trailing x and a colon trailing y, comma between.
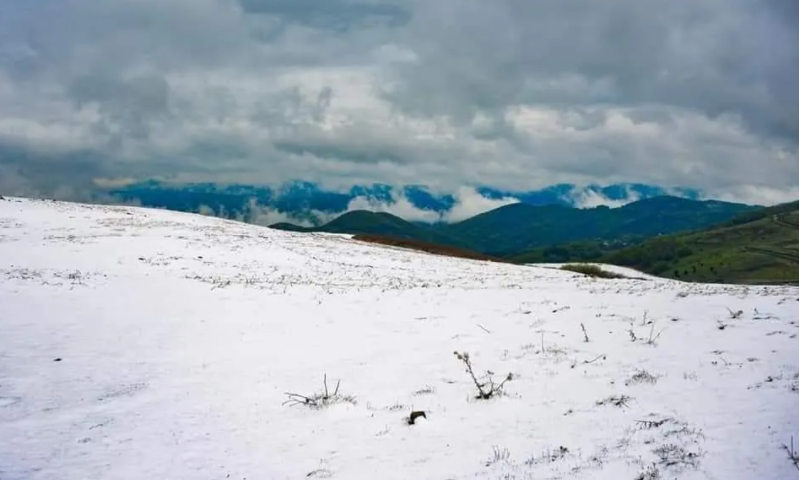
x: 654, y: 423
x: 321, y: 399
x: 548, y: 456
x: 672, y: 455
x: 793, y: 455
x: 427, y: 390
x: 735, y: 314
x: 641, y: 376
x: 615, y: 400
x: 488, y: 388
x: 650, y: 473
x: 585, y: 334
x: 653, y: 337
x: 498, y: 455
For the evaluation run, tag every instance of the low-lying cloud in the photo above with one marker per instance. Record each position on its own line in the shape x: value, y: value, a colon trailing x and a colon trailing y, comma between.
x: 468, y: 203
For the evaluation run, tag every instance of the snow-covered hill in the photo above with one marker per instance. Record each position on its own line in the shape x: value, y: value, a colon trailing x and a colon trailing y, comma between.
x: 146, y: 344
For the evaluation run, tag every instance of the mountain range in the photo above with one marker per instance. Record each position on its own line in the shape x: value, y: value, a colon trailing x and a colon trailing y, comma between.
x: 513, y: 229
x: 689, y: 240
x: 666, y: 232
x: 309, y: 204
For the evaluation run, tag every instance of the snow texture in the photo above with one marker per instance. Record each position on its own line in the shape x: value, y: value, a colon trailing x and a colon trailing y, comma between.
x: 145, y: 344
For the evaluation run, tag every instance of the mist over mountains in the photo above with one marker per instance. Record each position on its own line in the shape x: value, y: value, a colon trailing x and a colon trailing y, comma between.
x: 309, y: 204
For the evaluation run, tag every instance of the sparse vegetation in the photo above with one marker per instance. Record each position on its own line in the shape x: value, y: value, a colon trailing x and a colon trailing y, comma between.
x: 641, y: 376
x: 615, y: 400
x: 486, y: 389
x: 321, y: 399
x: 547, y: 456
x: 793, y: 455
x: 648, y: 424
x: 426, y: 390
x: 671, y: 455
x: 735, y: 314
x: 653, y: 337
x: 651, y: 472
x: 585, y: 333
x: 591, y: 270
x: 498, y: 455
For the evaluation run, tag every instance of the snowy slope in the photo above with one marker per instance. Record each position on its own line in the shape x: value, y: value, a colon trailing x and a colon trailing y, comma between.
x: 145, y: 344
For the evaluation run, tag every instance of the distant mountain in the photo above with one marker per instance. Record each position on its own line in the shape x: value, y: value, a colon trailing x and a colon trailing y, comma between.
x: 756, y: 247
x: 591, y: 195
x: 510, y: 230
x: 361, y: 222
x: 515, y: 228
x: 308, y: 203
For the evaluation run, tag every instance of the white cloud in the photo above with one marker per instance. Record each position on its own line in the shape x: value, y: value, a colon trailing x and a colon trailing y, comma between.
x: 469, y: 202
x: 752, y: 195
x: 399, y: 206
x: 588, y: 198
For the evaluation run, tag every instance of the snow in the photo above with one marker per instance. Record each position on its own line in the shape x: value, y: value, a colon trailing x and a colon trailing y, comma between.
x: 147, y: 344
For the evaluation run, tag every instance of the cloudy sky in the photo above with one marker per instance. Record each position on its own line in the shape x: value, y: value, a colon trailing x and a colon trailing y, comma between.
x: 515, y: 94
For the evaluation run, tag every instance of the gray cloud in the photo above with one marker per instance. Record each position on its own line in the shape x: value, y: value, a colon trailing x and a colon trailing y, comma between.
x: 714, y: 56
x: 337, y: 15
x: 513, y: 93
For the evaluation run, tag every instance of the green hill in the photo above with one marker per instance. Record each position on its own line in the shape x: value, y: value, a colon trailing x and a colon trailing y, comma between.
x: 720, y: 242
x: 362, y: 222
x: 757, y: 247
x: 508, y: 231
x: 514, y: 229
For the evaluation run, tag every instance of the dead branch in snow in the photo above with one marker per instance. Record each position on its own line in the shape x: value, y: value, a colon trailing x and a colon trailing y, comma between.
x: 487, y: 389
x: 321, y: 399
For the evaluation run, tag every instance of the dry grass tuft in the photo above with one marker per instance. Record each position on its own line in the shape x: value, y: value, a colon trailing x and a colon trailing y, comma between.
x: 591, y: 271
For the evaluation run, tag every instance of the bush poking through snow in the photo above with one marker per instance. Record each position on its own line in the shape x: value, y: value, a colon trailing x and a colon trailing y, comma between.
x: 549, y: 456
x: 591, y: 271
x: 321, y: 399
x: 641, y: 376
x: 498, y: 455
x: 615, y: 400
x: 650, y: 473
x: 672, y: 455
x: 487, y: 389
x: 427, y: 390
x: 793, y: 455
x: 653, y: 338
x: 735, y: 314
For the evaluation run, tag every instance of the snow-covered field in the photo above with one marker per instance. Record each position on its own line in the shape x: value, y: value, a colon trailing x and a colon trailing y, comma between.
x: 145, y: 344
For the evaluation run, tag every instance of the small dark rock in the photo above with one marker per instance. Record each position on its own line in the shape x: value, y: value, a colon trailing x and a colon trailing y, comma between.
x: 57, y: 359
x: 414, y: 415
